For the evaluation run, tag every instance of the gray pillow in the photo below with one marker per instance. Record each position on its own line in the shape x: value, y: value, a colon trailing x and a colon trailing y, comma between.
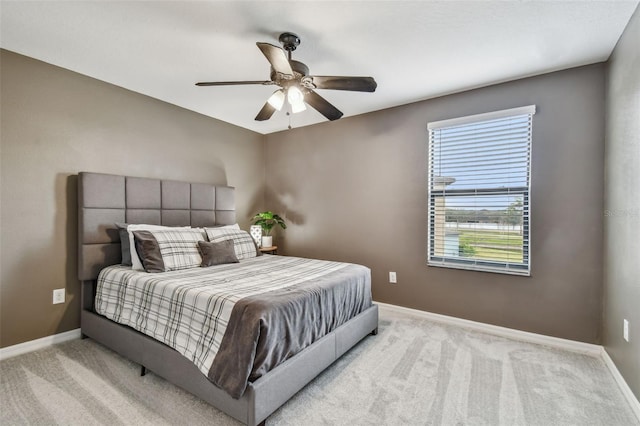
x: 217, y: 253
x: 149, y: 251
x: 124, y: 244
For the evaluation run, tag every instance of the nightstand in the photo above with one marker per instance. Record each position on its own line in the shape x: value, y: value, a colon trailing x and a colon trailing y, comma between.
x: 269, y: 250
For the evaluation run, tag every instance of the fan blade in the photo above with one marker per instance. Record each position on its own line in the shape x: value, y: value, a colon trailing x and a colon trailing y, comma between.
x: 356, y: 84
x: 232, y: 83
x: 266, y: 112
x: 321, y: 105
x: 277, y: 58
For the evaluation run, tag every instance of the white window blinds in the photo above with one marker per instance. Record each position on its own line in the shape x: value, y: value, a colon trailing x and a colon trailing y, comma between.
x: 479, y: 183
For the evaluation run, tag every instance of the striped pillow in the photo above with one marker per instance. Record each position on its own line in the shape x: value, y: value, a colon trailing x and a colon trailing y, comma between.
x: 243, y: 244
x: 127, y: 241
x: 179, y: 248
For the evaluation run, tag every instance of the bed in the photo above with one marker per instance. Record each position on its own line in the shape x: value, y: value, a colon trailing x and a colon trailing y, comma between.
x: 104, y: 200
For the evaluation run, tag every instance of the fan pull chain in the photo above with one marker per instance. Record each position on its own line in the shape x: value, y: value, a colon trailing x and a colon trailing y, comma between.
x: 289, y: 113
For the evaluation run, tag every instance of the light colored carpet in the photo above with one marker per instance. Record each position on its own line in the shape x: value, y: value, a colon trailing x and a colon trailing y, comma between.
x: 414, y: 372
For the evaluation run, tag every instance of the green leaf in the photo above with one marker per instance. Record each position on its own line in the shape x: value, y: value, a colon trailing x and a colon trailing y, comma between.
x: 267, y: 220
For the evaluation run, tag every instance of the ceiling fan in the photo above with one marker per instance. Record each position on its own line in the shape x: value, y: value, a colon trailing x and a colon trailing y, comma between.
x: 296, y: 85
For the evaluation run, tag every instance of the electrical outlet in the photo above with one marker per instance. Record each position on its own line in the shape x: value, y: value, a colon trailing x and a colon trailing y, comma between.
x: 625, y: 329
x: 392, y: 277
x: 58, y: 296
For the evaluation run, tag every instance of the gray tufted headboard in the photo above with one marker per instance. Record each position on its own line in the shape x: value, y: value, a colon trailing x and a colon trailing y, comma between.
x: 104, y: 200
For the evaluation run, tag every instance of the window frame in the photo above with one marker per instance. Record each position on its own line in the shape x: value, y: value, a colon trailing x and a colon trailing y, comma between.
x: 484, y: 265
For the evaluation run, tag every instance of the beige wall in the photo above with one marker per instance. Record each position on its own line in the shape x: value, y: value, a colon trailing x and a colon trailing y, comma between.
x: 622, y: 205
x: 355, y: 190
x: 56, y: 123
x: 352, y: 190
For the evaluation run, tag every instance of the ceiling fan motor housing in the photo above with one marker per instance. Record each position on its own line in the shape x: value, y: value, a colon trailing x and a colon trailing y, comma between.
x: 300, y: 73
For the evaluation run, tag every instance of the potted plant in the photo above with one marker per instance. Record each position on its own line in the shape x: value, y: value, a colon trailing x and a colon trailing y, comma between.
x: 267, y: 220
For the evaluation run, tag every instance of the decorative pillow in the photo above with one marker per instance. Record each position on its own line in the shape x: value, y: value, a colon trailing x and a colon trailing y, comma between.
x: 217, y: 253
x: 149, y: 251
x: 131, y: 258
x: 244, y: 245
x: 124, y: 244
x: 179, y: 248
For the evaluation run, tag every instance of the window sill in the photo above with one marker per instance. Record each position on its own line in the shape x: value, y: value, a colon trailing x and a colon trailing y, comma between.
x: 478, y: 268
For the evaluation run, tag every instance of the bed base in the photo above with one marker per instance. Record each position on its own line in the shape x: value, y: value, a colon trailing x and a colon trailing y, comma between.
x: 261, y: 397
x: 104, y: 200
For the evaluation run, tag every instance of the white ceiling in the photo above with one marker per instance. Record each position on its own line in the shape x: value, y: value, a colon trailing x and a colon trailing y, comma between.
x: 414, y: 49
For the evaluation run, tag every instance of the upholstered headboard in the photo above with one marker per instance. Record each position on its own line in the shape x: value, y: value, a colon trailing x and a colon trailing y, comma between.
x: 104, y: 200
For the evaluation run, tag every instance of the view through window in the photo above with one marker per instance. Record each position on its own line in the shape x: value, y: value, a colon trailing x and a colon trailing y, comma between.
x: 479, y: 182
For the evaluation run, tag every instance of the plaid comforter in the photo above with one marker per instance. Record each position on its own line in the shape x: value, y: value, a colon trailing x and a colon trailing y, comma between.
x: 190, y: 310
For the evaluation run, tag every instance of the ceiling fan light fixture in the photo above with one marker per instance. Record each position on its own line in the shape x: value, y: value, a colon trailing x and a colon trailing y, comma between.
x: 277, y: 99
x: 298, y: 107
x: 296, y: 99
x: 294, y: 95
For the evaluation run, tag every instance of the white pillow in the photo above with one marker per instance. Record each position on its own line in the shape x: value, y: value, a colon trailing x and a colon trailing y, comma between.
x: 234, y: 226
x: 136, y: 263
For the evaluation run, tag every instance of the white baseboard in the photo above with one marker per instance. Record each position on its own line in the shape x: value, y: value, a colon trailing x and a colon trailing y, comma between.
x: 596, y: 351
x: 525, y: 336
x: 33, y: 345
x: 624, y: 387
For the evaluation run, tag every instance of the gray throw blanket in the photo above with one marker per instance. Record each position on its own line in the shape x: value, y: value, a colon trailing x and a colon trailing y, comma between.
x: 267, y: 329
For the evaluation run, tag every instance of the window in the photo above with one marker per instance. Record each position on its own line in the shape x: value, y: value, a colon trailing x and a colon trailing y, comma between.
x: 479, y: 183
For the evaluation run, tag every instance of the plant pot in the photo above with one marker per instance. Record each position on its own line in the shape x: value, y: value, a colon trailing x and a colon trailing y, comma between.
x: 267, y: 241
